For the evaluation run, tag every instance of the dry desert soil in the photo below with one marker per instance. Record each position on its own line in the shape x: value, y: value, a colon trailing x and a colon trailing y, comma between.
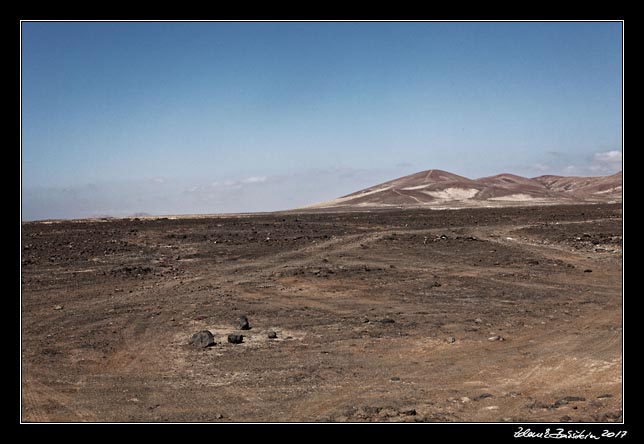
x: 466, y: 315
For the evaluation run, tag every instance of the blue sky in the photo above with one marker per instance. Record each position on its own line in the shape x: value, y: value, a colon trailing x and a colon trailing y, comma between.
x: 119, y: 118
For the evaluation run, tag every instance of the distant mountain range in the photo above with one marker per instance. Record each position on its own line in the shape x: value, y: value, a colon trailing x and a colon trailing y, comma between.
x: 441, y: 189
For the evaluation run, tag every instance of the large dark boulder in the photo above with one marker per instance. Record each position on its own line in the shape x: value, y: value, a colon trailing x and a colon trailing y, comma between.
x: 242, y: 323
x: 234, y: 338
x: 202, y: 339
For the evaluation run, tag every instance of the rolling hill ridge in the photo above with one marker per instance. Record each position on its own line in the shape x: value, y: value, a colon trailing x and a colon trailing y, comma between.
x: 442, y: 189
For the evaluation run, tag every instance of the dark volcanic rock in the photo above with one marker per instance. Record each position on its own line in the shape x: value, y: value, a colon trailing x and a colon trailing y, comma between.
x: 538, y: 405
x: 202, y: 339
x: 272, y: 335
x: 242, y: 323
x: 571, y: 399
x: 234, y: 338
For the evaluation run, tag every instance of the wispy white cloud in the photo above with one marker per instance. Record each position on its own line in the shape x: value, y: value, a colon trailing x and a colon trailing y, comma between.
x: 255, y: 179
x: 603, y: 163
x: 541, y: 167
x: 217, y: 186
x: 595, y: 164
x: 612, y: 159
x: 222, y: 195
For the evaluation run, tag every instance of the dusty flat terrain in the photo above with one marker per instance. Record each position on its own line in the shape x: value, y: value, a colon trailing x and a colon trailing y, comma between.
x: 380, y: 316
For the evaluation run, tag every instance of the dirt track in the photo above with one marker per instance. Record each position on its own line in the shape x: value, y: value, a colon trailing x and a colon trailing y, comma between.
x: 381, y: 316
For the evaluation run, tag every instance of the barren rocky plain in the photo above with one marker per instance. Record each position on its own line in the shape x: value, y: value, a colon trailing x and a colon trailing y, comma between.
x: 472, y: 315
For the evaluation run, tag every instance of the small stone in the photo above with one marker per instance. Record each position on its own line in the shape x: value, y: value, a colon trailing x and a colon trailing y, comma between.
x: 202, y: 339
x: 219, y: 416
x: 242, y: 323
x: 387, y: 321
x: 58, y: 307
x: 573, y: 398
x: 605, y: 395
x: 272, y: 335
x: 496, y: 338
x: 234, y: 338
x: 451, y: 339
x: 588, y: 270
x: 465, y: 399
x: 408, y: 412
x: 478, y: 320
x: 394, y: 378
x: 483, y: 396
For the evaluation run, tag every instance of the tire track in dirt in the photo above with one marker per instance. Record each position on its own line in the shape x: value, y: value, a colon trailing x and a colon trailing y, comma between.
x: 307, y: 254
x: 550, y: 250
x: 31, y: 401
x: 326, y: 361
x: 35, y: 395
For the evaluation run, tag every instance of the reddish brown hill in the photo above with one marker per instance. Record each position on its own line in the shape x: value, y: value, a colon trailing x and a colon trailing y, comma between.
x: 588, y: 188
x: 506, y: 185
x: 418, y: 181
x: 440, y: 189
